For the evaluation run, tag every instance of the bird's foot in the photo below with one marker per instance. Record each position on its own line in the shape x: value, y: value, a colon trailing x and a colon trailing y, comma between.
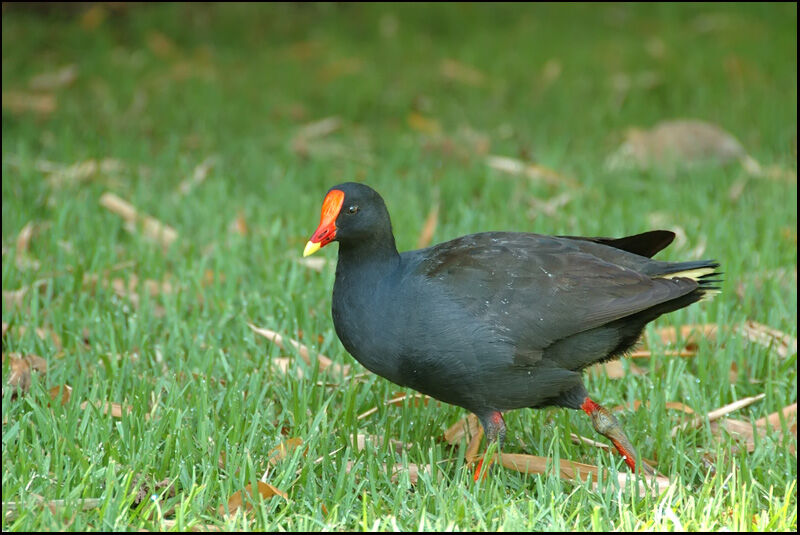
x: 607, y: 425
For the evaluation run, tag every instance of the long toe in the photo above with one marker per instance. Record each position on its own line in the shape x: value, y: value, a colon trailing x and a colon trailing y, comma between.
x: 607, y: 425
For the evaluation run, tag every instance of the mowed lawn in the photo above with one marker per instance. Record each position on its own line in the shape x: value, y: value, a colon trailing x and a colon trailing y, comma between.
x: 152, y: 403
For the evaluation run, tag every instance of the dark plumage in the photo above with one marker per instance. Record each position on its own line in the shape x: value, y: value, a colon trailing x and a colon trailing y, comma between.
x: 497, y: 320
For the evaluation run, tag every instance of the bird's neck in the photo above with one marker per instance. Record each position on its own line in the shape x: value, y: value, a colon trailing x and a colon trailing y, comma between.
x: 374, y: 254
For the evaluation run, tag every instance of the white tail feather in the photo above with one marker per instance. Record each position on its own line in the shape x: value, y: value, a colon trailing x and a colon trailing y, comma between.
x: 693, y: 274
x: 708, y: 295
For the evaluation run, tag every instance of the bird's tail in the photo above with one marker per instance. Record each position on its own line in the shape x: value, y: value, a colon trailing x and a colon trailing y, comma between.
x: 704, y: 272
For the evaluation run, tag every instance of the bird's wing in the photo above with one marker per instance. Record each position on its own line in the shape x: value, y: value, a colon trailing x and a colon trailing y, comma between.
x: 645, y: 244
x: 535, y: 290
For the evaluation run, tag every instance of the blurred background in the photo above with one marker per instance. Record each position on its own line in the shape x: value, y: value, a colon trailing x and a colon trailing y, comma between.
x: 164, y: 165
x: 575, y: 119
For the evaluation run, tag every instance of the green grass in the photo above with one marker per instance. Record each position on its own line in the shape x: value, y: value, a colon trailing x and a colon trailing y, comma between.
x: 237, y: 83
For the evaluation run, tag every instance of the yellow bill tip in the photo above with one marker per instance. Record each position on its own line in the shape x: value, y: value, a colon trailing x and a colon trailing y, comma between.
x: 311, y: 248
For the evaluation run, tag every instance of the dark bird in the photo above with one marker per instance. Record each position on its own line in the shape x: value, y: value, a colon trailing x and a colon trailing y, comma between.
x: 497, y: 320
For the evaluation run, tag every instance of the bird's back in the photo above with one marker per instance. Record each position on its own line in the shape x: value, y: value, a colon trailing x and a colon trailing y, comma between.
x: 503, y: 319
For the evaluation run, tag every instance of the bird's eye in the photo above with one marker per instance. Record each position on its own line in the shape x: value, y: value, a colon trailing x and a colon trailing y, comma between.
x: 353, y: 209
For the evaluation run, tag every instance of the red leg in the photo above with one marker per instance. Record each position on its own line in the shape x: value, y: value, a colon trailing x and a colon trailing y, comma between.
x: 495, y: 430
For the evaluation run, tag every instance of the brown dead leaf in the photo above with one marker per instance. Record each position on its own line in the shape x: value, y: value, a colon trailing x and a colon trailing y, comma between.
x: 623, y: 83
x: 717, y: 414
x: 146, y: 490
x: 283, y: 450
x: 416, y: 399
x: 535, y: 172
x: 745, y: 431
x: 237, y: 499
x: 549, y: 207
x: 64, y: 391
x: 167, y: 524
x: 733, y: 373
x: 532, y: 464
x: 91, y: 280
x: 283, y: 364
x: 13, y: 298
x: 24, y: 238
x: 461, y: 72
x: 412, y: 469
x: 302, y: 350
x: 320, y: 128
x: 646, y: 353
x: 50, y: 81
x: 130, y: 290
x: 150, y: 227
x: 614, y: 369
x: 19, y: 102
x: 678, y: 406
x: 689, y: 334
x: 740, y: 430
x: 673, y: 405
x: 779, y: 173
x: 783, y: 344
x: 23, y: 260
x: 789, y: 413
x: 358, y: 153
x: 682, y: 141
x: 198, y: 176
x: 55, y: 506
x: 43, y: 333
x: 736, y: 189
x: 772, y: 172
x: 20, y: 368
x: 429, y: 227
x: 465, y: 427
x: 578, y: 439
x: 301, y: 140
x: 571, y: 471
x: 155, y: 288
x: 377, y: 441
x: 116, y: 410
x: 399, y: 399
x: 463, y: 146
x: 471, y: 454
x: 60, y: 175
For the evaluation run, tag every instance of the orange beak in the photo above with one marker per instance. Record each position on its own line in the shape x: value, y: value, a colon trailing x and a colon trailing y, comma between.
x: 326, y: 231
